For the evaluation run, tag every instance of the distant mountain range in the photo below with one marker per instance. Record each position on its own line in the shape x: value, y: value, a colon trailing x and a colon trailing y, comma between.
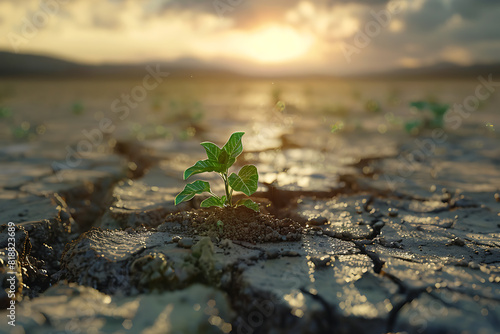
x: 28, y: 65
x: 441, y: 70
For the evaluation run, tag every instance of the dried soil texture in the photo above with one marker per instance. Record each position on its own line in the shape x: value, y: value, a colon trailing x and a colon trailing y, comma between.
x: 239, y: 223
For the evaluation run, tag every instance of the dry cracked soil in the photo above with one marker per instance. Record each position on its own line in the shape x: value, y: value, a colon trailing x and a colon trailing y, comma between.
x: 363, y: 230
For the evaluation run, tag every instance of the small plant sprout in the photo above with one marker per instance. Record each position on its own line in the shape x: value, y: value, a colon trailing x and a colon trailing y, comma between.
x: 436, y: 120
x: 77, y: 108
x: 219, y: 161
x: 339, y: 125
x: 220, y: 226
x: 5, y: 113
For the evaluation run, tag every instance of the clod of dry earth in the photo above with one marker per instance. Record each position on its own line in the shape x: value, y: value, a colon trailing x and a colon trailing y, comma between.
x: 239, y: 223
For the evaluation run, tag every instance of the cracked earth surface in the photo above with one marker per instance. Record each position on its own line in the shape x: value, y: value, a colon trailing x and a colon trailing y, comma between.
x: 359, y: 231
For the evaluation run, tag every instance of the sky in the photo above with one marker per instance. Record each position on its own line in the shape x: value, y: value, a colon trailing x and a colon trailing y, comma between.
x: 292, y: 36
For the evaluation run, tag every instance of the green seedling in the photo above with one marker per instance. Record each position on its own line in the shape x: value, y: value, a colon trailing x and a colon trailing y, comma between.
x: 437, y: 111
x: 413, y: 126
x: 339, y: 125
x: 220, y: 226
x: 219, y: 161
x: 5, y: 113
x: 24, y: 131
x: 280, y: 106
x: 77, y: 108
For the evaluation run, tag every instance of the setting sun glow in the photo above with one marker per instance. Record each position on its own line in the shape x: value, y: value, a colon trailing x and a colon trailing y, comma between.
x: 273, y: 44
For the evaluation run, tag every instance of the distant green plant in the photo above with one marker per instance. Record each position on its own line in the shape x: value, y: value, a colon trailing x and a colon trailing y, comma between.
x: 338, y: 126
x: 5, y: 113
x: 77, y: 108
x: 280, y: 106
x: 372, y: 106
x: 20, y: 131
x: 219, y: 161
x: 26, y: 131
x: 436, y: 120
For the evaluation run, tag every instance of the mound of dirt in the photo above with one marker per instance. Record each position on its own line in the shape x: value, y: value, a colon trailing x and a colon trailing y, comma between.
x: 238, y: 223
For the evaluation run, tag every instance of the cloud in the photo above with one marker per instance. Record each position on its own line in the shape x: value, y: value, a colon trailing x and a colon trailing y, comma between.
x: 248, y: 14
x: 435, y: 31
x: 484, y: 27
x: 429, y: 17
x: 423, y: 32
x: 473, y: 9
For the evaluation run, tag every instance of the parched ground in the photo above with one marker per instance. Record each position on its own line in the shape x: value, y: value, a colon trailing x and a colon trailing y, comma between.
x: 363, y: 227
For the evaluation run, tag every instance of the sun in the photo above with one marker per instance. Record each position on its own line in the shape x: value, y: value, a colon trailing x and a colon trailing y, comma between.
x: 274, y: 44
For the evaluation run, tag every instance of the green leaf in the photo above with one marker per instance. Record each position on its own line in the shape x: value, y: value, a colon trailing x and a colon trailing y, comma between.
x: 412, y: 125
x: 439, y: 109
x: 420, y: 105
x: 246, y: 181
x: 249, y: 204
x: 223, y: 158
x: 213, y: 151
x: 191, y: 189
x: 203, y: 166
x: 213, y: 201
x: 234, y: 147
